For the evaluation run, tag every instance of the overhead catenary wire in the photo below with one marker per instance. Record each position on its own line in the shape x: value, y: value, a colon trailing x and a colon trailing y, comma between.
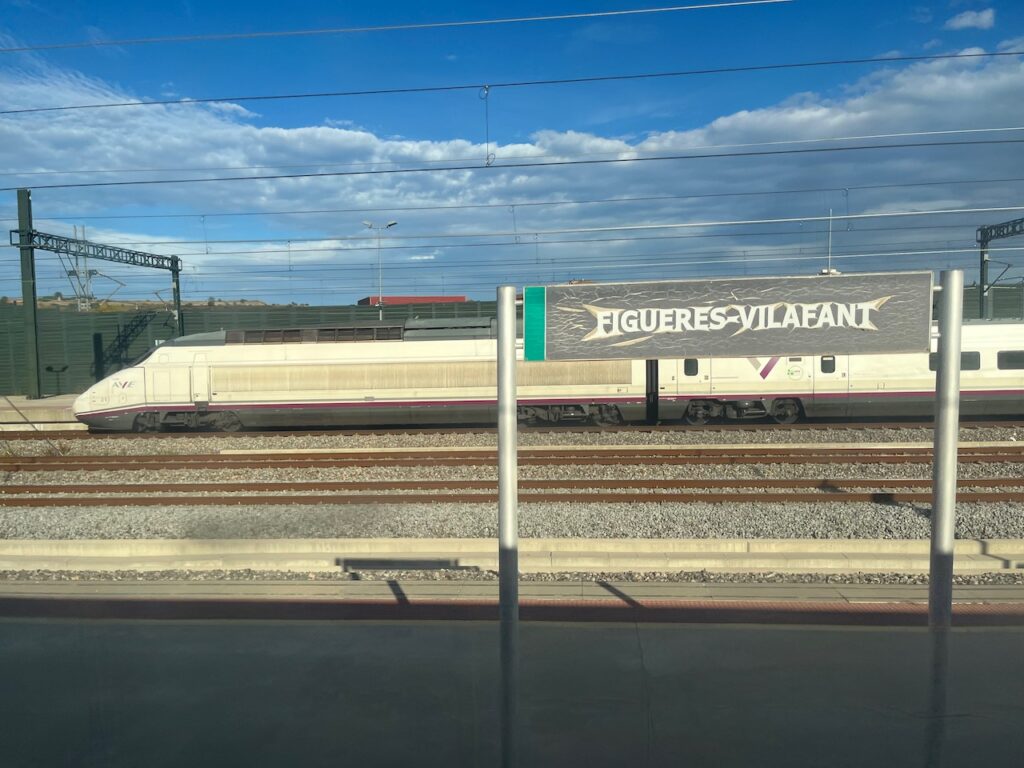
x: 382, y: 27
x: 527, y: 203
x: 774, y: 143
x: 353, y: 249
x: 609, y: 228
x: 519, y: 166
x: 611, y: 261
x: 520, y: 83
x: 749, y: 260
x: 526, y: 266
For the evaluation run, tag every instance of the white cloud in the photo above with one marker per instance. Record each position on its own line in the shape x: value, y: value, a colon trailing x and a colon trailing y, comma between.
x: 985, y: 19
x: 275, y: 262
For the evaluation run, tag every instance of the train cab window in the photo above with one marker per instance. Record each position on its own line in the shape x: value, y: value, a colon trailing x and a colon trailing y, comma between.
x: 828, y: 364
x: 690, y: 366
x: 1010, y: 360
x: 969, y: 361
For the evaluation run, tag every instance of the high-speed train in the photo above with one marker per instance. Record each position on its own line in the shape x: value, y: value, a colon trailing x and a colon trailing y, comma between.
x: 228, y: 380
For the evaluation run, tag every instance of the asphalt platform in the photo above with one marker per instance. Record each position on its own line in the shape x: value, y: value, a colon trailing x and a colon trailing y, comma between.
x: 258, y: 693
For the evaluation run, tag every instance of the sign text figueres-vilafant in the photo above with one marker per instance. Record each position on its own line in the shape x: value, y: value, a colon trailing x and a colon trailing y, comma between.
x: 648, y: 321
x: 731, y: 317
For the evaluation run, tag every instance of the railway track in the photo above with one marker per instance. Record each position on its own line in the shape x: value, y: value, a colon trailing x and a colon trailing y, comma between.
x: 29, y: 434
x: 576, y: 455
x: 482, y: 491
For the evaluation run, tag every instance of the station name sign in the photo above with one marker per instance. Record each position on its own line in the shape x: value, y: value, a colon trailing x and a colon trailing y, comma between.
x: 833, y: 314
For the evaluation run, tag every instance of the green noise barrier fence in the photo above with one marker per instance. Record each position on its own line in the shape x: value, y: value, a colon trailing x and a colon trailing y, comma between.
x: 76, y: 349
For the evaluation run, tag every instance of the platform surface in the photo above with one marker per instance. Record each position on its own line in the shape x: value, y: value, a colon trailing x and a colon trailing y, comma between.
x: 603, y: 591
x: 118, y: 693
x: 19, y: 410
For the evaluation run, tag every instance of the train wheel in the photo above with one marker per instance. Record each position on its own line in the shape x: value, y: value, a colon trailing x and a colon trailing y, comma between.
x: 607, y: 416
x: 146, y: 422
x: 786, y: 411
x: 227, y: 421
x: 697, y: 414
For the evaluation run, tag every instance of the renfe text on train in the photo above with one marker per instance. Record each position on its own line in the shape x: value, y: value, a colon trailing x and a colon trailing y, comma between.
x: 610, y: 322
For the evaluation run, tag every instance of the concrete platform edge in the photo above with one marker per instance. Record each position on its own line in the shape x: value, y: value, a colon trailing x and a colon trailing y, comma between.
x: 533, y: 610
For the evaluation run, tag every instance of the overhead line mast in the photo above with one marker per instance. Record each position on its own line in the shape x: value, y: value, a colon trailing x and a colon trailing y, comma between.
x: 28, y: 239
x: 986, y: 235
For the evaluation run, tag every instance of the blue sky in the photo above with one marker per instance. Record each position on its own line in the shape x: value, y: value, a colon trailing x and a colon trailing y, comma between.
x: 603, y: 120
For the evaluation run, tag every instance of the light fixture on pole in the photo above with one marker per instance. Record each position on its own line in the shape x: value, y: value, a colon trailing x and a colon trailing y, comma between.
x: 380, y: 272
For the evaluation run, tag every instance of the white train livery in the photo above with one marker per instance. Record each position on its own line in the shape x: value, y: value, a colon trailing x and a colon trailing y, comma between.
x: 349, y: 376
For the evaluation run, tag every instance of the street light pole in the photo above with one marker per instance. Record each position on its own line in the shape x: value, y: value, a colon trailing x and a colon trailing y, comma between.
x: 380, y: 271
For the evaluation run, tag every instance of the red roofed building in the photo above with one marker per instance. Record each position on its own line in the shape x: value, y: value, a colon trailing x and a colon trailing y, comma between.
x: 391, y: 301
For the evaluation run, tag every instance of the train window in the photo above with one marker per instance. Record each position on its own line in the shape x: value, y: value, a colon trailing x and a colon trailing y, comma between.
x: 828, y: 364
x: 310, y: 335
x: 1010, y: 360
x: 690, y: 366
x: 969, y: 361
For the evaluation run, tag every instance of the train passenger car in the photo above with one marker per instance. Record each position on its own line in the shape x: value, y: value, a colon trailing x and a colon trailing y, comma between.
x: 787, y: 388
x: 352, y: 376
x: 307, y: 377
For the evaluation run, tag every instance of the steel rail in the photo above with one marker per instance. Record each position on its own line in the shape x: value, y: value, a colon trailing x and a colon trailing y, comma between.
x: 460, y: 485
x: 484, y: 457
x: 752, y: 426
x: 377, y: 499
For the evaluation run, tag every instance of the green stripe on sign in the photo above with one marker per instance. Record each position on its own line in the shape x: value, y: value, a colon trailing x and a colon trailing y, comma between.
x: 534, y: 331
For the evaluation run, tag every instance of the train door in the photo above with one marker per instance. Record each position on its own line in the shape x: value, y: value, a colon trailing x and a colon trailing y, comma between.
x: 200, y: 379
x: 693, y: 381
x: 831, y: 386
x: 693, y: 376
x: 171, y: 382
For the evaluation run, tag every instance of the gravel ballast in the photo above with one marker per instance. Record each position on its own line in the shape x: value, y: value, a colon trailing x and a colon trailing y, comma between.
x: 199, y: 443
x: 695, y: 520
x: 754, y: 472
x: 827, y: 519
x: 993, y: 578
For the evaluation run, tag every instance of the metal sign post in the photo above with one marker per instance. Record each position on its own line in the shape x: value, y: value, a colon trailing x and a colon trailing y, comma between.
x: 508, y: 526
x: 876, y: 313
x: 947, y: 428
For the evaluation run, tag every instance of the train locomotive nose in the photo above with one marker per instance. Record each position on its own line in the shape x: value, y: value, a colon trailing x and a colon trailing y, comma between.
x: 107, y: 404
